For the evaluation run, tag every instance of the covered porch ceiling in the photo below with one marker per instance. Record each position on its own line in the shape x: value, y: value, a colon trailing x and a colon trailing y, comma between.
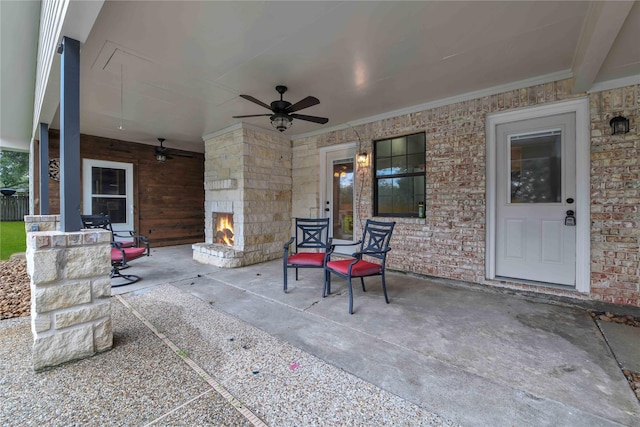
x: 175, y: 69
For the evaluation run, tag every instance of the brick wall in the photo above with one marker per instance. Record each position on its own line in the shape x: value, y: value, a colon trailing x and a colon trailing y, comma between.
x: 615, y: 198
x: 450, y: 242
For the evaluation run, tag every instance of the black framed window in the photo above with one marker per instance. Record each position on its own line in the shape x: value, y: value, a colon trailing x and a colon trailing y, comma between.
x: 399, y: 184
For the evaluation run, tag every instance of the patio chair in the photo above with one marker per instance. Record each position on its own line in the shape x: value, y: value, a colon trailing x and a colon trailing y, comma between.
x: 121, y: 251
x: 374, y: 244
x: 311, y: 244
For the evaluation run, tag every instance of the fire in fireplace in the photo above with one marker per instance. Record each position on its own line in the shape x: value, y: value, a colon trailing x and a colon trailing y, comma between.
x: 224, y: 229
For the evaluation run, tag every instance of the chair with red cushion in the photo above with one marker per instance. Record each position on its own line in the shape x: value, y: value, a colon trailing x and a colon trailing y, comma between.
x: 120, y: 256
x: 310, y: 245
x: 374, y: 245
x: 121, y: 251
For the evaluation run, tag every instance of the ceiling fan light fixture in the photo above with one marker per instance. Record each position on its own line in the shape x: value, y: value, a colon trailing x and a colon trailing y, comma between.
x: 161, y: 158
x: 281, y: 122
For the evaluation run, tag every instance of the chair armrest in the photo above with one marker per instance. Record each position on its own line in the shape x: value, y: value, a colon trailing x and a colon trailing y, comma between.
x: 359, y: 254
x: 138, y: 241
x: 332, y: 245
x: 286, y: 245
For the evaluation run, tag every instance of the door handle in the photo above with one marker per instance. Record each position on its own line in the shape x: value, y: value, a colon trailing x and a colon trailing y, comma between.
x: 570, y: 219
x: 326, y: 209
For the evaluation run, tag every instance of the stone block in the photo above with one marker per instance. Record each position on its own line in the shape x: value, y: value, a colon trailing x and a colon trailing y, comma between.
x: 88, y: 261
x: 61, y: 347
x: 75, y: 239
x: 59, y: 240
x: 40, y: 322
x: 94, y: 237
x: 54, y: 297
x: 39, y: 240
x: 42, y: 265
x: 83, y: 314
x: 103, y: 335
x: 101, y: 288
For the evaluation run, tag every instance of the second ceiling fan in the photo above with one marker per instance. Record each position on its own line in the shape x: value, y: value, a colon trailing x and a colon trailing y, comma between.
x: 283, y: 112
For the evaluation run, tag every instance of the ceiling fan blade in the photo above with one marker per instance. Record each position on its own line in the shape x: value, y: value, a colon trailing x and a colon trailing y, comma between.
x: 174, y: 154
x: 315, y: 119
x: 256, y: 101
x: 309, y: 101
x: 252, y: 115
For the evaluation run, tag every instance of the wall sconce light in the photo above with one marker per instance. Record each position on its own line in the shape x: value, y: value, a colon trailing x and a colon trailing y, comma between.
x: 362, y: 157
x: 619, y: 125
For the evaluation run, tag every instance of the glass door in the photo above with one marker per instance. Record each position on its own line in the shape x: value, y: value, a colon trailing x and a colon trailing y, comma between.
x: 338, y: 190
x: 108, y: 189
x: 342, y: 199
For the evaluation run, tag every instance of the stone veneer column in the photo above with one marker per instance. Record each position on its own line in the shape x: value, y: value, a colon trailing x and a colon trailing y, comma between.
x: 70, y: 295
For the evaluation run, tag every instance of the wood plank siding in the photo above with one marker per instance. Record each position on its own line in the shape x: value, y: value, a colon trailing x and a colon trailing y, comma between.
x: 168, y: 197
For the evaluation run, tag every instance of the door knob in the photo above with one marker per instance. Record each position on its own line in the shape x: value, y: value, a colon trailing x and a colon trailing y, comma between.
x: 570, y: 219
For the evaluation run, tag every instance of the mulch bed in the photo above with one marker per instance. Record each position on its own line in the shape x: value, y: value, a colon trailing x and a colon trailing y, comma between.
x: 15, y: 290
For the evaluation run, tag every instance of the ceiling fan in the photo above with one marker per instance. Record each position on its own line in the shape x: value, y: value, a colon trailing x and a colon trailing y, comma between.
x: 283, y: 112
x: 162, y: 153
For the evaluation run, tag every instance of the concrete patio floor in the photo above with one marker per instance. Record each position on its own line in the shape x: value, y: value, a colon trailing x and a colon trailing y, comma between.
x: 440, y: 353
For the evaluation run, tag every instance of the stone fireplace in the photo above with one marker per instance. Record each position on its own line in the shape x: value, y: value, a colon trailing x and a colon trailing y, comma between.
x: 247, y: 183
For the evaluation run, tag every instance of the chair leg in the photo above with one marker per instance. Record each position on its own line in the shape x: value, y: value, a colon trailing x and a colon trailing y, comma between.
x: 350, y: 295
x: 284, y: 268
x: 362, y: 281
x: 384, y: 289
x: 128, y: 278
x: 296, y: 274
x: 326, y: 289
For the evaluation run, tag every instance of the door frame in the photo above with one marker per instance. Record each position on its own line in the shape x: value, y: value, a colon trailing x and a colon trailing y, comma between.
x: 323, y: 152
x: 87, y: 165
x: 580, y: 107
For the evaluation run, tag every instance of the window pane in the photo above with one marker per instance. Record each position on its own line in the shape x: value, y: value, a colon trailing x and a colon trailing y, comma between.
x: 400, y: 195
x: 418, y: 190
x: 415, y: 143
x: 383, y: 148
x: 116, y: 208
x: 536, y: 169
x: 399, y: 146
x: 108, y: 181
x: 399, y: 165
x: 415, y: 163
x: 383, y: 167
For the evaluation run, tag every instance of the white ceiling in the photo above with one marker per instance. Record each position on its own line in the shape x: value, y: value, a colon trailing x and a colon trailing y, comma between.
x: 185, y: 63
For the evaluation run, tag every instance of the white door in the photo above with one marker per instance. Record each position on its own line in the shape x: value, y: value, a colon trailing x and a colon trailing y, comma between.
x: 337, y: 201
x: 536, y: 200
x: 107, y: 188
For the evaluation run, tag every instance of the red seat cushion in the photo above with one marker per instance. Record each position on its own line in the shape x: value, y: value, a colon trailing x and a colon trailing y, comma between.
x: 130, y: 253
x: 362, y: 267
x: 307, y: 258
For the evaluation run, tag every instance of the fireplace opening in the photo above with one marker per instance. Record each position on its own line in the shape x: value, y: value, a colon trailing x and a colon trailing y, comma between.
x: 223, y: 227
